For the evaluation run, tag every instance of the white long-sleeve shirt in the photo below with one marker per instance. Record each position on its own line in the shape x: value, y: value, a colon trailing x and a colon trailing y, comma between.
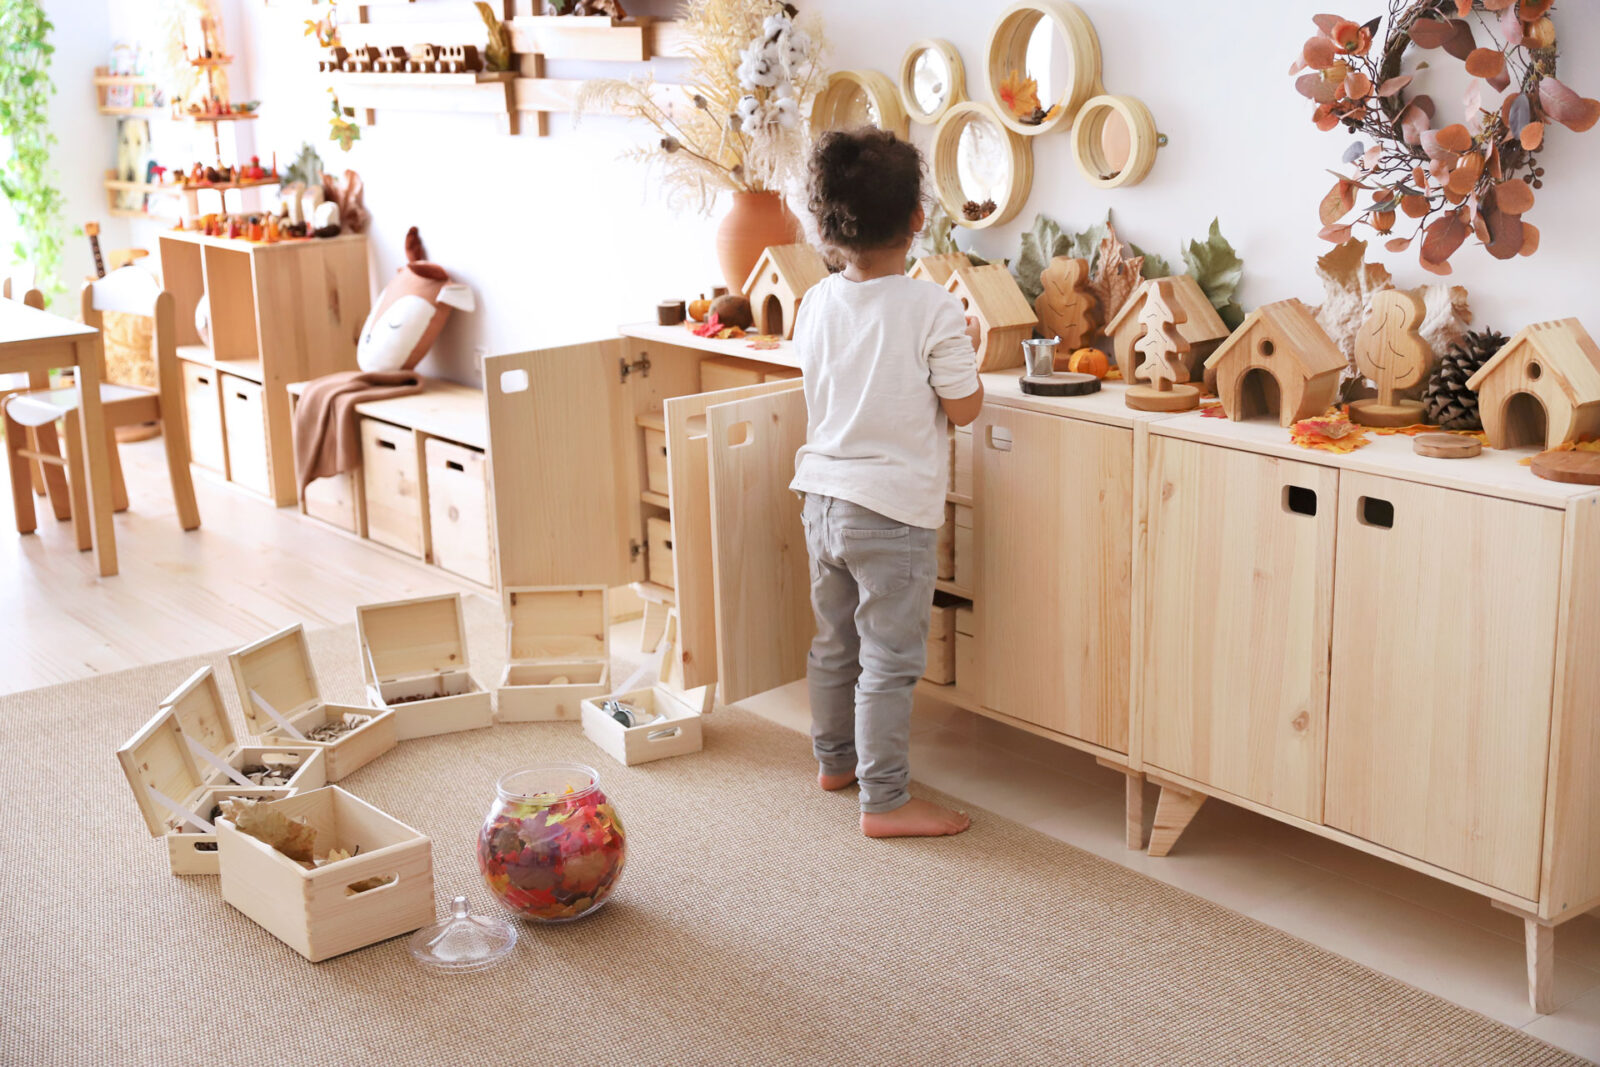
x: 877, y: 357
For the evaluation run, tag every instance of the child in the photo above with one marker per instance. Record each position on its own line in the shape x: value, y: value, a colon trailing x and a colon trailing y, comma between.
x: 887, y: 360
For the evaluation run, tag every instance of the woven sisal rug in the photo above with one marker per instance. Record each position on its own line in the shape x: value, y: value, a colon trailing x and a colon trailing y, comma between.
x: 753, y: 926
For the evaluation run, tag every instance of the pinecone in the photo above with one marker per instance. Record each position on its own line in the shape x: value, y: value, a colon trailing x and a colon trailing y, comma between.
x: 1450, y: 404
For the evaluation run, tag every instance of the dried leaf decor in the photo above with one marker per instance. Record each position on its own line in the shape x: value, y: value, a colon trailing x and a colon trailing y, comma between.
x: 294, y: 837
x: 1455, y: 180
x: 1114, y: 275
x: 1218, y: 269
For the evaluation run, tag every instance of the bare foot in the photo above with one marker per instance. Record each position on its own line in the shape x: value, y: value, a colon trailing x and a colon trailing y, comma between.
x: 831, y: 782
x: 914, y: 818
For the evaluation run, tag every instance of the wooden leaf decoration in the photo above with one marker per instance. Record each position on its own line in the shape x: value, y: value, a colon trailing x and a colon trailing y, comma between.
x: 1514, y: 197
x: 1389, y: 350
x: 1160, y: 343
x: 1576, y: 113
x: 1066, y: 306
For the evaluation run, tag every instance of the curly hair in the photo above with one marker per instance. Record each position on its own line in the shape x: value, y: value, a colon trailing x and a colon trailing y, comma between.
x: 865, y: 186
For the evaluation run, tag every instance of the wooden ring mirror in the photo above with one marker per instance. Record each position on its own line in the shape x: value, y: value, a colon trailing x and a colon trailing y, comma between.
x: 1053, y: 43
x: 977, y: 160
x: 932, y: 80
x: 1114, y: 141
x: 853, y: 98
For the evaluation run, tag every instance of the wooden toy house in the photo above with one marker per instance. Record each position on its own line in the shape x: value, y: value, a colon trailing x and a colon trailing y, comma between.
x: 1542, y: 388
x: 1278, y: 361
x: 1201, y: 326
x: 1005, y: 318
x: 779, y: 281
x: 414, y: 662
x: 937, y: 269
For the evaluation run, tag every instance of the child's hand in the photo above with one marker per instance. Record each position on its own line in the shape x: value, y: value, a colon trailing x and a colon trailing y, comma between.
x: 972, y: 331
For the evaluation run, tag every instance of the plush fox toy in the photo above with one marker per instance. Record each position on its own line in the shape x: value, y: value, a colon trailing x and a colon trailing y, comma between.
x: 410, y: 312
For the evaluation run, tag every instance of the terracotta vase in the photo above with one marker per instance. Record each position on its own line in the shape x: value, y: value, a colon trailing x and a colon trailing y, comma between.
x: 755, y: 222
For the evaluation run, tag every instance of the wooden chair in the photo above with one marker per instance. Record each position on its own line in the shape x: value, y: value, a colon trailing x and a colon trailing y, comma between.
x: 42, y: 438
x: 129, y: 290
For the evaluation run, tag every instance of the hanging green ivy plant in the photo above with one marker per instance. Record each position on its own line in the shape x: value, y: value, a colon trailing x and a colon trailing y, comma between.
x: 27, y: 181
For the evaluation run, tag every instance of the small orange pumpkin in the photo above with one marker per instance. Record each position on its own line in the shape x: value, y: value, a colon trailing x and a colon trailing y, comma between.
x: 699, y: 309
x: 1088, y: 361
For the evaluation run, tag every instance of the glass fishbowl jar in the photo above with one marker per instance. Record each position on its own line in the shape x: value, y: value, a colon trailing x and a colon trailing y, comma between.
x: 552, y: 848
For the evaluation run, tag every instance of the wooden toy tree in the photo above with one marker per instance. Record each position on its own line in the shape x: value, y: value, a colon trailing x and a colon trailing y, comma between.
x: 1164, y: 350
x: 1391, y: 352
x: 1066, y: 308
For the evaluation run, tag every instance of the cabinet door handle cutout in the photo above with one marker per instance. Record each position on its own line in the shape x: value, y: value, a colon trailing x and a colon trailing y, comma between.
x: 453, y: 465
x: 999, y: 438
x: 513, y: 381
x: 738, y: 435
x: 1373, y: 511
x: 1299, y: 500
x: 385, y: 444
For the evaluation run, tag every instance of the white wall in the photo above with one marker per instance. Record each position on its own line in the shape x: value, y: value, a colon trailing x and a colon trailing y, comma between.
x: 562, y: 240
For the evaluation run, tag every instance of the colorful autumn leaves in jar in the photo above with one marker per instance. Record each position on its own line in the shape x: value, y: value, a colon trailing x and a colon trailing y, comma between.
x: 552, y: 847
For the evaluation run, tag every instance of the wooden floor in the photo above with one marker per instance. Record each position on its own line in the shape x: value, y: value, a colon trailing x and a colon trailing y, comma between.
x: 250, y: 568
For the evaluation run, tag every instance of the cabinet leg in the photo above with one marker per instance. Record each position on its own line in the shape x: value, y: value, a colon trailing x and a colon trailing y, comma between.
x: 1541, y: 939
x: 1174, y: 811
x: 1134, y: 804
x: 655, y: 625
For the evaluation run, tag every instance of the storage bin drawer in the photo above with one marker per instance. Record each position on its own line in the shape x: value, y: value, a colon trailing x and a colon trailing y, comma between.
x: 335, y: 500
x: 941, y: 668
x: 655, y: 461
x: 202, y: 400
x: 658, y: 535
x: 244, y: 425
x: 392, y: 481
x: 458, y: 509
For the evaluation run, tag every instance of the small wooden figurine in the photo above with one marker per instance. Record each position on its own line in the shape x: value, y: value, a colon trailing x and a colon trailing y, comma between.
x: 1165, y: 353
x: 990, y: 295
x: 362, y: 60
x: 1278, y: 358
x: 937, y: 269
x: 335, y: 59
x: 392, y: 60
x: 1066, y: 308
x: 458, y: 59
x: 1202, y: 326
x: 420, y: 58
x: 1391, y: 352
x: 1542, y: 388
x: 779, y: 281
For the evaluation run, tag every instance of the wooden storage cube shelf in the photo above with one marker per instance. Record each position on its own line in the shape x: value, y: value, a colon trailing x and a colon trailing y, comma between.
x: 202, y: 400
x: 655, y: 461
x: 658, y: 533
x: 458, y: 509
x: 414, y: 661
x: 557, y: 652
x: 317, y: 912
x: 243, y: 423
x: 392, y: 486
x: 337, y: 501
x: 675, y: 735
x: 281, y: 699
x: 731, y: 372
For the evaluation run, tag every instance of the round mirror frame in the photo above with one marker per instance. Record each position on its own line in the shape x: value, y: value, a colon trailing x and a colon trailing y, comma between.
x: 1007, y: 53
x: 946, y: 175
x: 842, y: 86
x: 1088, y: 148
x: 908, y: 70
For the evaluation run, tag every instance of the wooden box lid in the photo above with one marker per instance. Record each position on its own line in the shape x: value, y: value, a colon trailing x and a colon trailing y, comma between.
x: 556, y: 623
x: 278, y: 668
x: 407, y: 638
x: 158, y: 758
x: 201, y: 714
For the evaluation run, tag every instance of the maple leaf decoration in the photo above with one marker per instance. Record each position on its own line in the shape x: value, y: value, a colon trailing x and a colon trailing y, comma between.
x: 1116, y: 274
x: 1020, y: 95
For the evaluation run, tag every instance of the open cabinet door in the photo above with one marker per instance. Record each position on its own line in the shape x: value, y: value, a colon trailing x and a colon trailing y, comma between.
x: 763, y: 587
x: 561, y: 498
x: 689, y: 474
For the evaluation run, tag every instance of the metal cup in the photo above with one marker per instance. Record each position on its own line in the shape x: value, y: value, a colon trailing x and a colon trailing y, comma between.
x: 1040, y: 353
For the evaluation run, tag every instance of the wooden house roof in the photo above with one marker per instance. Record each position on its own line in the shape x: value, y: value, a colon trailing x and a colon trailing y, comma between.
x: 1201, y: 322
x: 1565, y: 347
x: 799, y: 265
x: 1308, y: 341
x: 940, y: 267
x: 994, y: 295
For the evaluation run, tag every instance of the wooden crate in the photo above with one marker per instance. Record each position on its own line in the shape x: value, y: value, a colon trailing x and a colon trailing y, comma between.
x: 966, y: 649
x: 941, y: 668
x: 947, y: 544
x: 965, y: 563
x: 180, y: 765
x: 392, y: 487
x: 246, y: 432
x: 202, y: 399
x: 558, y: 652
x: 677, y: 734
x: 655, y: 460
x: 458, y: 509
x: 414, y: 661
x: 315, y: 912
x: 658, y: 539
x: 961, y: 464
x: 338, y: 501
x: 281, y: 699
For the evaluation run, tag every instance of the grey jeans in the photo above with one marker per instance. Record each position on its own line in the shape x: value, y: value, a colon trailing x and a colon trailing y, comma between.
x: 872, y: 591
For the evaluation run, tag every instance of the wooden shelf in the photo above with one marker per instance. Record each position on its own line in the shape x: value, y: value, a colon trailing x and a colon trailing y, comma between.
x: 121, y: 186
x: 659, y: 500
x: 232, y: 116
x: 652, y: 420
x: 221, y: 187
x: 959, y: 499
x: 124, y: 79
x: 135, y: 112
x: 656, y: 594
x: 200, y: 355
x: 946, y: 586
x: 447, y: 410
x: 782, y: 356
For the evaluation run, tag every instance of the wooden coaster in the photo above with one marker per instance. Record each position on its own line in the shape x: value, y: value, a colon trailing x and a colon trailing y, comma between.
x: 1062, y: 384
x: 1369, y: 412
x: 1149, y: 398
x: 1582, y: 468
x: 1446, y: 445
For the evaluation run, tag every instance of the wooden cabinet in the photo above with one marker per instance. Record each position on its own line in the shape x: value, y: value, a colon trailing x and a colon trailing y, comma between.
x: 1238, y: 588
x: 202, y: 396
x: 396, y: 505
x: 457, y: 481
x: 1444, y: 634
x: 242, y: 416
x: 1053, y: 507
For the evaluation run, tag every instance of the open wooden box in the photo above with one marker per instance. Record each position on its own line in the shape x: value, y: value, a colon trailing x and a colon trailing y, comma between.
x: 558, y: 652
x: 414, y: 659
x: 677, y: 733
x: 282, y: 701
x: 184, y: 761
x: 319, y: 913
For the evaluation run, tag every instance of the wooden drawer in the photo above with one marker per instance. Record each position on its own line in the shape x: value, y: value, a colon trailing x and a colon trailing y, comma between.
x: 336, y: 501
x: 963, y: 566
x: 658, y: 535
x: 244, y: 424
x: 941, y: 668
x: 655, y: 461
x: 392, y: 477
x: 966, y: 650
x: 202, y: 400
x: 458, y: 509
